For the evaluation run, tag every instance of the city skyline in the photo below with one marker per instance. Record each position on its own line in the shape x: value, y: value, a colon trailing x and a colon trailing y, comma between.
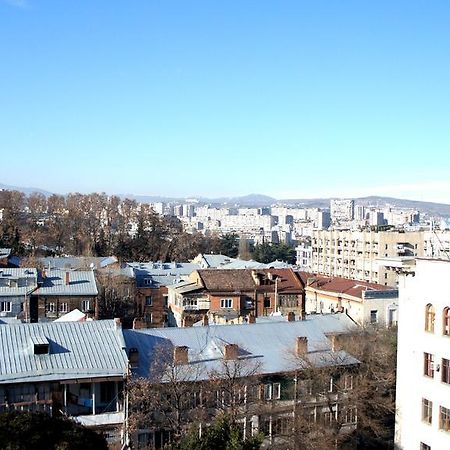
x: 294, y: 100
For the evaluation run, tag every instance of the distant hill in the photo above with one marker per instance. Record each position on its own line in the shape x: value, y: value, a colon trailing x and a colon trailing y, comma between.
x: 260, y: 200
x: 25, y: 190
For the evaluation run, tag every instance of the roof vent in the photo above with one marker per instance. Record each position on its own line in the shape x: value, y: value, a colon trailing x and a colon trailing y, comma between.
x: 40, y: 345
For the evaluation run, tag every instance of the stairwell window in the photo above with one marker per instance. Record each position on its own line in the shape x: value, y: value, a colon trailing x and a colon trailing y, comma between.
x: 429, y: 318
x: 226, y: 303
x: 445, y: 371
x: 444, y: 418
x: 428, y: 365
x: 446, y: 322
x: 427, y: 411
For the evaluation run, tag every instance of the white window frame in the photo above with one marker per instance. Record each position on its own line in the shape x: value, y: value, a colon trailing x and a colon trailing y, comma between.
x: 5, y: 306
x: 63, y: 307
x: 85, y: 305
x: 224, y: 302
x: 50, y: 307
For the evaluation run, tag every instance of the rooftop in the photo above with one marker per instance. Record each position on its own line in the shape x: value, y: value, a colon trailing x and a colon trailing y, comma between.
x: 77, y: 350
x: 270, y: 345
x: 80, y: 282
x: 15, y: 282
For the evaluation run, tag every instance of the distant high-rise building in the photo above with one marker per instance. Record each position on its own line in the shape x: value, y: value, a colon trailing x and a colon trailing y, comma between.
x: 342, y: 210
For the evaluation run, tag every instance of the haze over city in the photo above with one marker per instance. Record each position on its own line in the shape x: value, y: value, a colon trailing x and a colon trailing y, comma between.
x: 291, y: 99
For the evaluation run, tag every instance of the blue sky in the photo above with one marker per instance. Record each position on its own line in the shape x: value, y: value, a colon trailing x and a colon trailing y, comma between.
x: 286, y: 98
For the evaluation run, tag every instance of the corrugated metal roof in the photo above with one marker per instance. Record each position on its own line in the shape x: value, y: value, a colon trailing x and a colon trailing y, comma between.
x: 77, y: 262
x: 271, y: 344
x: 81, y: 282
x: 77, y: 350
x: 15, y: 282
x: 4, y: 252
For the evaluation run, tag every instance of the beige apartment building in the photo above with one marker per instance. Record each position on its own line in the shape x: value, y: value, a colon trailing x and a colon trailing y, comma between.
x: 354, y: 254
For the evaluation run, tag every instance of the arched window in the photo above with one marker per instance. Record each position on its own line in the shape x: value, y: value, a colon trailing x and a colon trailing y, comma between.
x: 429, y: 318
x: 446, y: 322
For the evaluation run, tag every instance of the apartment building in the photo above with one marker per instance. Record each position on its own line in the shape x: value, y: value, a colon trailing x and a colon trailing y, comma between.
x: 231, y: 295
x: 274, y: 387
x: 366, y: 303
x: 342, y: 210
x: 423, y: 358
x: 74, y: 368
x: 353, y: 254
x: 16, y: 286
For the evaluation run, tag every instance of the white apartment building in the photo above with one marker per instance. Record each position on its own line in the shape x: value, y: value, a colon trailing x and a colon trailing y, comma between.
x: 423, y: 358
x: 342, y: 210
x: 353, y: 254
x: 437, y: 244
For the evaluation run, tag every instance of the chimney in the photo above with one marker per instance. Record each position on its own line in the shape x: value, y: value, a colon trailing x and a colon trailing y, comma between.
x: 133, y: 358
x: 291, y: 316
x: 255, y: 276
x: 230, y: 352
x: 117, y: 323
x: 205, y: 321
x: 251, y: 318
x: 333, y: 340
x: 138, y: 324
x: 67, y: 278
x: 301, y: 345
x: 180, y: 355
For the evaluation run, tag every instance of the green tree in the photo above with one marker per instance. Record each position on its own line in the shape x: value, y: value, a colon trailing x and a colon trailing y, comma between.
x: 229, y: 245
x: 39, y: 431
x: 222, y: 434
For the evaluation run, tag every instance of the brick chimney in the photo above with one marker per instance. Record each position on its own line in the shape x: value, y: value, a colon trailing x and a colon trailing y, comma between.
x: 138, y: 323
x: 333, y: 340
x: 67, y: 278
x: 301, y: 345
x: 205, y: 320
x: 180, y: 355
x: 251, y: 318
x: 230, y: 352
x: 291, y: 316
x: 256, y: 277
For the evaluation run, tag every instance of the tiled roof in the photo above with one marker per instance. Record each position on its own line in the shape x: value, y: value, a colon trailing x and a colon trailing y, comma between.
x: 81, y: 282
x: 340, y: 285
x: 270, y: 344
x: 227, y: 280
x: 77, y: 350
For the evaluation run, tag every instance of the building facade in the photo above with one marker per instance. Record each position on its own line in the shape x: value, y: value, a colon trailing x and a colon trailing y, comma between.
x: 423, y: 358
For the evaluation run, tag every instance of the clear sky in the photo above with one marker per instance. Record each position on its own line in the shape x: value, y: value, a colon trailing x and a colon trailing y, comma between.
x: 181, y: 98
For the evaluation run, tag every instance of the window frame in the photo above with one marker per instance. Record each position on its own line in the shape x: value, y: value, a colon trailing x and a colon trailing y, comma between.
x: 430, y: 318
x: 427, y: 411
x: 148, y: 301
x: 444, y: 418
x: 428, y: 364
x: 5, y: 306
x: 446, y: 321
x: 224, y: 303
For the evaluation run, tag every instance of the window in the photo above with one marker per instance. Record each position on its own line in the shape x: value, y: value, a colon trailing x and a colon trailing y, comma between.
x: 226, y: 303
x: 166, y: 300
x: 445, y: 377
x: 427, y: 411
x: 374, y: 316
x: 272, y: 391
x: 348, y: 382
x: 148, y: 281
x: 446, y: 322
x: 424, y: 446
x: 266, y: 302
x: 444, y: 418
x: 428, y: 364
x: 5, y: 306
x: 85, y: 305
x: 50, y: 307
x: 63, y: 307
x: 148, y: 300
x: 429, y: 318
